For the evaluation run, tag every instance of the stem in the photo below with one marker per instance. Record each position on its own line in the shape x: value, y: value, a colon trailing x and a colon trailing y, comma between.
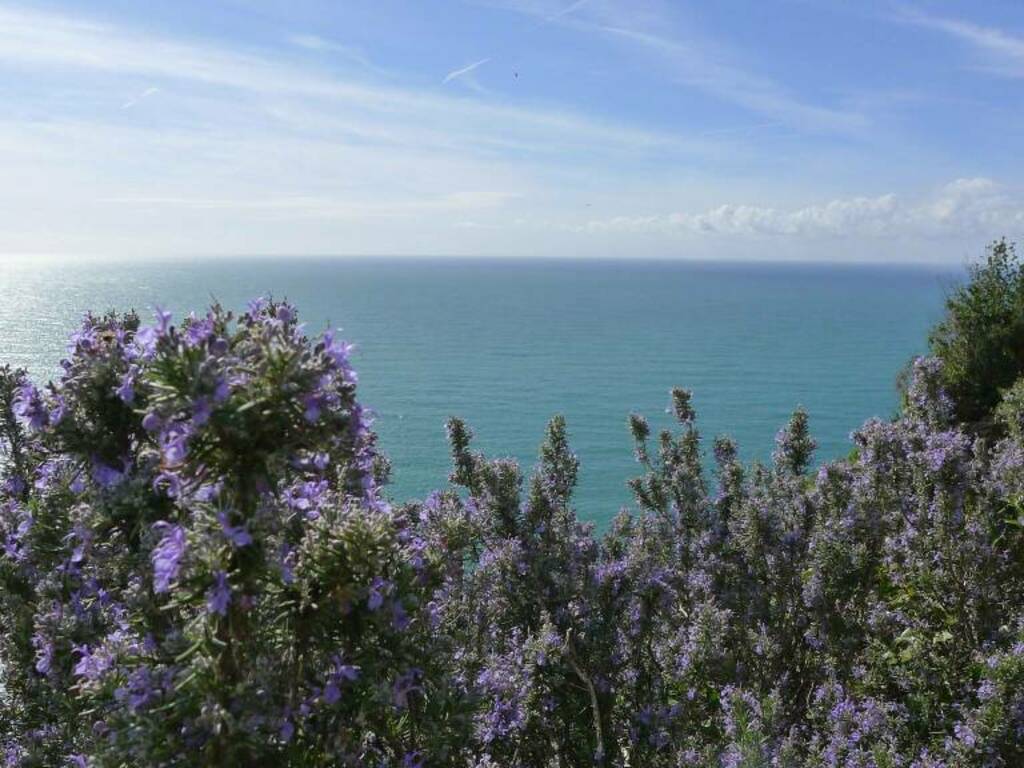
x: 594, y: 704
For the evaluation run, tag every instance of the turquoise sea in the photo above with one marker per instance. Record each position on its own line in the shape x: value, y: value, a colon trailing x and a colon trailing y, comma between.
x: 506, y: 344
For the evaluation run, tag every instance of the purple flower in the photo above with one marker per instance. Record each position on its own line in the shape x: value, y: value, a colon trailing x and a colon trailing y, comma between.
x: 163, y: 320
x: 221, y: 390
x: 105, y: 476
x: 332, y: 693
x: 140, y: 690
x: 399, y: 616
x: 167, y: 555
x: 174, y: 443
x: 287, y: 730
x: 285, y: 313
x: 378, y: 588
x: 312, y: 404
x: 219, y: 596
x: 340, y: 674
x: 126, y: 389
x: 965, y: 734
x: 92, y: 666
x: 202, y: 408
x: 237, y: 535
x: 29, y: 407
x: 405, y: 685
x: 145, y: 342
x: 170, y: 483
x: 307, y: 497
x: 208, y: 492
x: 338, y: 351
x: 198, y: 331
x: 285, y: 561
x: 44, y: 653
x: 257, y: 305
x: 152, y: 422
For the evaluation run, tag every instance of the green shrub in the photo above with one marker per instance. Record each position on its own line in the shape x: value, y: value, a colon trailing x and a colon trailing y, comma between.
x: 981, y: 339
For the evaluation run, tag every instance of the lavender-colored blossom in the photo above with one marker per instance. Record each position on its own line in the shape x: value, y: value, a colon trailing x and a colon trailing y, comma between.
x: 257, y: 305
x: 197, y: 331
x: 404, y: 686
x: 152, y: 422
x: 285, y: 313
x: 170, y: 483
x: 44, y: 653
x: 126, y: 389
x: 307, y: 497
x: 163, y: 320
x: 104, y: 475
x: 221, y: 390
x: 141, y: 689
x: 236, y: 534
x: 29, y: 407
x: 145, y: 341
x: 375, y: 595
x: 202, y: 409
x: 286, y: 563
x: 167, y: 555
x: 92, y: 665
x: 174, y: 443
x: 219, y: 595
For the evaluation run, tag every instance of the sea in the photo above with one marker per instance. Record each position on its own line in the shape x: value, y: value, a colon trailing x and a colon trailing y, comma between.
x: 506, y: 344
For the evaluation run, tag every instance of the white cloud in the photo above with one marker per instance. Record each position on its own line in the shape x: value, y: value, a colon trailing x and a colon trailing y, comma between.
x: 963, y: 206
x: 52, y: 42
x: 275, y: 151
x: 1003, y: 51
x: 243, y: 150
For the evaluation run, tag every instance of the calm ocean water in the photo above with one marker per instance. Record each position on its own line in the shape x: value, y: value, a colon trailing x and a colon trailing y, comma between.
x: 507, y: 344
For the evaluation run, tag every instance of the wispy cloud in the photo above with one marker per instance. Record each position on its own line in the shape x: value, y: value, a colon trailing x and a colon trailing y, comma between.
x: 455, y: 74
x: 962, y: 206
x: 692, y: 60
x: 567, y: 10
x: 302, y: 206
x: 56, y: 43
x: 320, y: 44
x: 144, y: 95
x: 252, y: 142
x: 695, y: 66
x: 1003, y: 51
x: 278, y: 146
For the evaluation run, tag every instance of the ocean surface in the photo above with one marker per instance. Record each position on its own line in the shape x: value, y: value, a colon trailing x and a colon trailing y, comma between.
x: 507, y: 344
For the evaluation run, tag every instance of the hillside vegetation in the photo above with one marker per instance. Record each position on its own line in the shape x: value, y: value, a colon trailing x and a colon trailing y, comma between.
x: 199, y: 565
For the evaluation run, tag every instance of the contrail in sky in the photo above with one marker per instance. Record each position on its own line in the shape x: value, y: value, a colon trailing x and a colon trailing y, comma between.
x: 464, y: 71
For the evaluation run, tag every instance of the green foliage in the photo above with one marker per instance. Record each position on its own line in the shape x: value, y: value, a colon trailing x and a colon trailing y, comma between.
x: 981, y: 339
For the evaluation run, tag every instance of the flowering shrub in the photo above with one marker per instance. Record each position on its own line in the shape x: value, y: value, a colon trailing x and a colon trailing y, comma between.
x: 199, y: 566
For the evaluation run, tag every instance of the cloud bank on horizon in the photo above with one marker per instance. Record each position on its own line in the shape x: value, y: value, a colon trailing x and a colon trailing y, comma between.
x: 632, y: 128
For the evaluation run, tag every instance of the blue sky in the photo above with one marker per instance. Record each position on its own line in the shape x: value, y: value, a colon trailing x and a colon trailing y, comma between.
x: 770, y: 129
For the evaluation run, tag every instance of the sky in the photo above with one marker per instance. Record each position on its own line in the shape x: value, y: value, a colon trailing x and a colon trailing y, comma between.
x: 871, y: 131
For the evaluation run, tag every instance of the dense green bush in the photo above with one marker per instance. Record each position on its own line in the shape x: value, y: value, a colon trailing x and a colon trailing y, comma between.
x: 980, y: 341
